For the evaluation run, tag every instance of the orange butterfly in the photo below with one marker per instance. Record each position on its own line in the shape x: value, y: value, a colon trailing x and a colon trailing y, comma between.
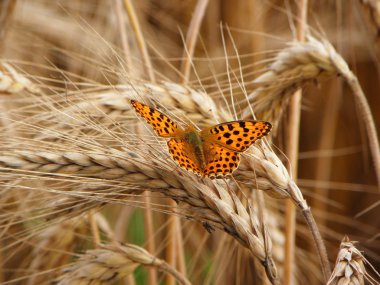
x: 210, y: 152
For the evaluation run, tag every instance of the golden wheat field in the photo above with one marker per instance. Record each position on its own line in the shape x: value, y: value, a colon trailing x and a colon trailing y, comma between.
x: 190, y: 142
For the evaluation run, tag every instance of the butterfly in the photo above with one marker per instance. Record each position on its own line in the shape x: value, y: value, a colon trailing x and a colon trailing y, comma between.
x: 211, y: 152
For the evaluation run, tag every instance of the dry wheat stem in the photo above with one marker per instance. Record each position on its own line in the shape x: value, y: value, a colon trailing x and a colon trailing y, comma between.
x: 140, y: 39
x: 365, y: 111
x: 189, y: 48
x: 121, y: 21
x: 291, y: 151
x: 302, y: 205
x: 149, y: 229
x: 191, y: 38
x: 111, y: 263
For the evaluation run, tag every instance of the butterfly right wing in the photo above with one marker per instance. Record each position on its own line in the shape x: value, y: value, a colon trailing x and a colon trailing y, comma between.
x: 220, y: 161
x: 162, y: 125
x: 237, y: 135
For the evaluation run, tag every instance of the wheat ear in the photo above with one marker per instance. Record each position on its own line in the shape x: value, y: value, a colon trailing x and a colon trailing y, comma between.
x: 111, y: 263
x: 349, y: 267
x: 297, y: 64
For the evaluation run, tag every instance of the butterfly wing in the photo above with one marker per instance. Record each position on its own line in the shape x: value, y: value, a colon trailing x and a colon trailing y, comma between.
x: 181, y: 152
x: 220, y: 161
x: 237, y: 135
x: 162, y: 125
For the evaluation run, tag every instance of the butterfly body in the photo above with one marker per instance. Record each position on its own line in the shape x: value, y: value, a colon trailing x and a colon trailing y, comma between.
x: 211, y: 152
x: 195, y: 141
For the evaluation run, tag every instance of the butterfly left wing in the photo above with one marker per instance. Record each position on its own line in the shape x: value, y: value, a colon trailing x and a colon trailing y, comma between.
x: 220, y: 161
x: 182, y: 154
x: 237, y: 135
x: 162, y: 125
